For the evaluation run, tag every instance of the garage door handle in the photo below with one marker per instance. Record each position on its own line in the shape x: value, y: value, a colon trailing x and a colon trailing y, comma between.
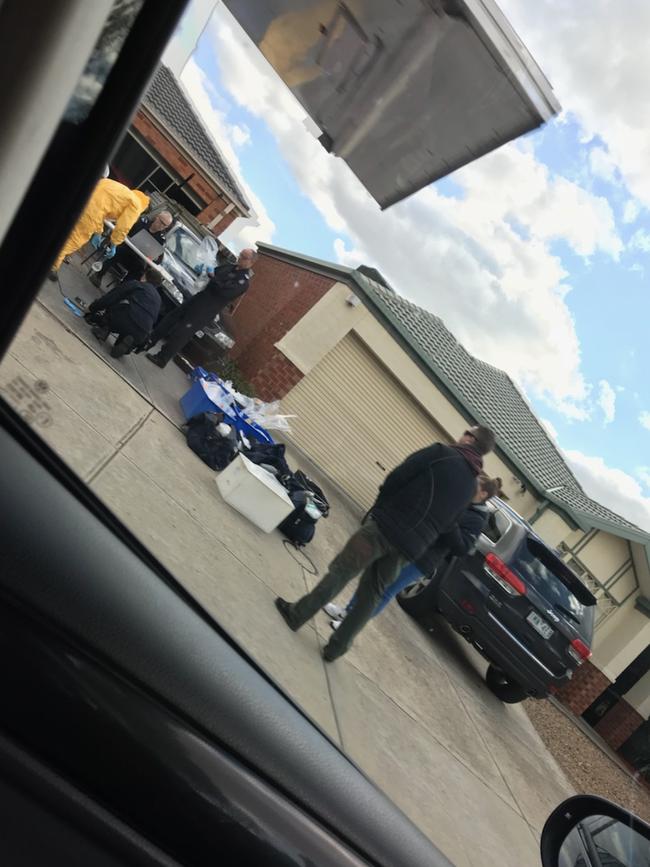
x: 381, y: 466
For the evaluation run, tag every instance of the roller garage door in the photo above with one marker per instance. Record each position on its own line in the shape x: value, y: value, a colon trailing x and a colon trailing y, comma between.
x: 355, y: 420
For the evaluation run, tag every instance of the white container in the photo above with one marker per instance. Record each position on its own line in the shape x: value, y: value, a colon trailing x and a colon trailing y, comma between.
x: 254, y: 493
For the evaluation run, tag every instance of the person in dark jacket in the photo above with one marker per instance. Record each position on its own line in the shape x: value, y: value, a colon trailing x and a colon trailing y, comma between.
x: 178, y: 327
x: 157, y: 226
x: 130, y: 310
x: 420, y: 499
x: 456, y: 542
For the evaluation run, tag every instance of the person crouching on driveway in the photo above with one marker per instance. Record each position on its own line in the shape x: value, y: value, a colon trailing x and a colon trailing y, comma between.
x: 419, y: 500
x: 130, y: 310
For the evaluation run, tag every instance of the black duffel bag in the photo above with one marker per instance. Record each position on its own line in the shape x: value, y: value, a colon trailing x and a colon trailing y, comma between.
x: 204, y: 439
x: 300, y: 527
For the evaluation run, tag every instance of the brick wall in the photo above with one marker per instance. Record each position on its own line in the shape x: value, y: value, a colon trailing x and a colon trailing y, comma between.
x: 279, y: 296
x: 583, y: 689
x: 619, y: 724
x: 276, y: 378
x: 213, y: 200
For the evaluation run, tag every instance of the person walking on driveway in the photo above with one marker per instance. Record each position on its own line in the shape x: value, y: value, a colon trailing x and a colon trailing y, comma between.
x: 178, y: 327
x: 130, y: 310
x: 110, y: 200
x: 456, y: 542
x: 419, y: 500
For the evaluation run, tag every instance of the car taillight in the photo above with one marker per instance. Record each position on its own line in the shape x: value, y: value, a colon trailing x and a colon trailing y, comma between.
x: 505, y: 577
x: 579, y: 651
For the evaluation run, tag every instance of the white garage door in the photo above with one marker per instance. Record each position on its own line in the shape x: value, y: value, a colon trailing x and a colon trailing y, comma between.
x: 355, y: 420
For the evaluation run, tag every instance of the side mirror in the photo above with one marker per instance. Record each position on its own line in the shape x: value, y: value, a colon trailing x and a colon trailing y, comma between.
x: 586, y: 831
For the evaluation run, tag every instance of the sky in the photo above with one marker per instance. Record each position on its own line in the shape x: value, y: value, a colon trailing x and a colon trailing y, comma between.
x: 536, y: 256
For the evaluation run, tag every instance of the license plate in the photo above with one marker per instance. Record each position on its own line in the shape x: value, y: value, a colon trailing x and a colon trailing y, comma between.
x: 540, y: 625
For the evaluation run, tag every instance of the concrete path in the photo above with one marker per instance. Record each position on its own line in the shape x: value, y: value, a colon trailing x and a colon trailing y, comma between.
x: 410, y: 707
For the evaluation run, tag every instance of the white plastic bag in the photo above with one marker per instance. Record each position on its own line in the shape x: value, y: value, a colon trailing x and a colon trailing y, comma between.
x: 224, y: 400
x: 208, y: 252
x: 267, y: 415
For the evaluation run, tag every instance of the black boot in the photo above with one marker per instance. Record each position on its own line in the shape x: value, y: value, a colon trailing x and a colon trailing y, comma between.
x: 101, y: 332
x: 286, y: 610
x: 144, y: 346
x: 122, y: 346
x: 156, y: 358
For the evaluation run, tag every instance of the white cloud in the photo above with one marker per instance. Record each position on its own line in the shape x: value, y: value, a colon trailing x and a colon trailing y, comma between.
x: 640, y: 240
x: 644, y: 419
x: 643, y: 473
x: 502, y: 292
x: 228, y: 137
x: 595, y: 55
x: 601, y: 164
x: 631, y: 211
x: 612, y: 487
x: 240, y: 135
x: 607, y: 400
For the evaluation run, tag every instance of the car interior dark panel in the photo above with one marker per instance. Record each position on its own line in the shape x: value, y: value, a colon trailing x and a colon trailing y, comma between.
x: 45, y: 820
x: 145, y: 764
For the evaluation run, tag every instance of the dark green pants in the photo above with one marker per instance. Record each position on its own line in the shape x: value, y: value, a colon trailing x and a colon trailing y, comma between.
x: 369, y: 552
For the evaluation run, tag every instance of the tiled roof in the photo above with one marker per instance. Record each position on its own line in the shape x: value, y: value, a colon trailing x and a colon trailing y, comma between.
x: 167, y: 99
x: 493, y: 399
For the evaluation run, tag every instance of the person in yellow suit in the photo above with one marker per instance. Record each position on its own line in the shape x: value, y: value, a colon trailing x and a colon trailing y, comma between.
x: 110, y: 200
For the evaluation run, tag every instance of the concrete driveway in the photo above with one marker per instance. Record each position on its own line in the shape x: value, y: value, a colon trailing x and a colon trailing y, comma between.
x: 409, y: 707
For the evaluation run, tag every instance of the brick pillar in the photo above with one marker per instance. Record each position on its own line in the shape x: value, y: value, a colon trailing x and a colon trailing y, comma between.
x: 619, y: 724
x: 583, y: 689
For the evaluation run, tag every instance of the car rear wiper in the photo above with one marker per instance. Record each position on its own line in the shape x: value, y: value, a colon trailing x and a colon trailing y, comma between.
x: 568, y: 612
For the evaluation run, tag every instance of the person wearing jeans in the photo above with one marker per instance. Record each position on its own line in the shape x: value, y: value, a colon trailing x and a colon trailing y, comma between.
x: 419, y: 499
x: 456, y: 542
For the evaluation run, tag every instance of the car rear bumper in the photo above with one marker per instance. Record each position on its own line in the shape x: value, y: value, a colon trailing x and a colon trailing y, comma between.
x: 490, y: 636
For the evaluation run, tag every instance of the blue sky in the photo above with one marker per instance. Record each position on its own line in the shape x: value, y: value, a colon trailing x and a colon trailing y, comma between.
x: 554, y: 227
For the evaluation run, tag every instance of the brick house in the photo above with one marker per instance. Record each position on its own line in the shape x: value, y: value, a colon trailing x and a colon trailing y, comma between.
x: 351, y: 358
x: 167, y: 148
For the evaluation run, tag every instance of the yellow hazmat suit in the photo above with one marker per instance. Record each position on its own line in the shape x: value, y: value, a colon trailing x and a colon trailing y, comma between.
x: 110, y: 200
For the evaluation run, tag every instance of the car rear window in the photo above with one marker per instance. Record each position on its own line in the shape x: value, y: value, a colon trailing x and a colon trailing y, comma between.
x: 540, y: 568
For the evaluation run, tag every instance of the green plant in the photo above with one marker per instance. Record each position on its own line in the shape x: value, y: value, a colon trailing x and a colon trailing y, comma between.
x: 227, y: 369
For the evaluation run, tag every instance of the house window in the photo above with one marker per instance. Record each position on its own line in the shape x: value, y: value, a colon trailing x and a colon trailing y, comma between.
x: 131, y: 164
x: 134, y: 166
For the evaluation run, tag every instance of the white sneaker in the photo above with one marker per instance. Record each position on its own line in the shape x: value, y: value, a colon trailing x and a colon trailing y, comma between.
x: 335, y: 624
x: 335, y: 611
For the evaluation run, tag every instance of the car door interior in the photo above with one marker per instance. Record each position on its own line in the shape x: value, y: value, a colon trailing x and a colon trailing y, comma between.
x: 133, y: 730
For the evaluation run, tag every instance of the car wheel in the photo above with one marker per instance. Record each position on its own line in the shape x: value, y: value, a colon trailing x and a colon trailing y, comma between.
x: 419, y: 599
x: 503, y: 686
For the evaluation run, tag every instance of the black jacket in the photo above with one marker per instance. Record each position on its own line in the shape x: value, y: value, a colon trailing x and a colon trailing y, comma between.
x: 422, y: 498
x: 462, y: 537
x: 227, y: 283
x: 143, y: 299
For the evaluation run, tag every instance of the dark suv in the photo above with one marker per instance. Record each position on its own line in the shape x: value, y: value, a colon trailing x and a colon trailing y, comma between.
x: 517, y: 603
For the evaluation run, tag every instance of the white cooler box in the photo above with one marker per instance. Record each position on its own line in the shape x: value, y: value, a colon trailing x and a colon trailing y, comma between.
x: 255, y: 493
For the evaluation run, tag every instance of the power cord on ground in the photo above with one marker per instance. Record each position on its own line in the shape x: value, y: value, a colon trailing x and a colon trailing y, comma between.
x: 292, y: 550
